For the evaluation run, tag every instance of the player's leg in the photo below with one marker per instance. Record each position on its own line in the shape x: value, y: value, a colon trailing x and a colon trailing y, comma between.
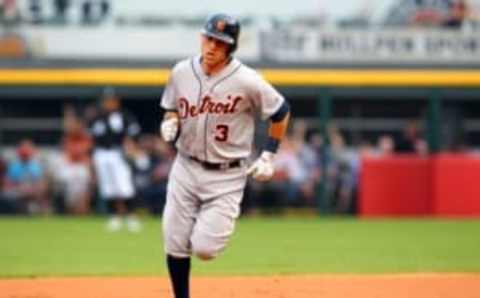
x: 106, y: 187
x: 125, y: 191
x: 114, y: 210
x: 215, y: 225
x: 179, y: 272
x: 179, y: 217
x: 104, y: 179
x: 133, y: 223
x: 178, y: 221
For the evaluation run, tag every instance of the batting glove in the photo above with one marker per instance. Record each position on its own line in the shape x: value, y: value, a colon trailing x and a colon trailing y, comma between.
x: 262, y: 169
x: 169, y: 129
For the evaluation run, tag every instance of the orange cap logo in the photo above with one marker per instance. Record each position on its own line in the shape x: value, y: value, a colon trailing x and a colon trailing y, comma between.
x: 221, y: 25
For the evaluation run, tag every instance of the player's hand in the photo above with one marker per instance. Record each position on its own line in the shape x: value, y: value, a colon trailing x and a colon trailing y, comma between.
x: 169, y: 129
x: 262, y: 169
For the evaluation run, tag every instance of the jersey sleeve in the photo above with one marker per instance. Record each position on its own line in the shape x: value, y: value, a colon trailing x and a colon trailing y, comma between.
x: 169, y: 94
x: 96, y: 127
x: 266, y: 98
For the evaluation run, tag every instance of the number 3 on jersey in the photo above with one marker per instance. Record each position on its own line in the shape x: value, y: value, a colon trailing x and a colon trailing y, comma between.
x: 221, y: 133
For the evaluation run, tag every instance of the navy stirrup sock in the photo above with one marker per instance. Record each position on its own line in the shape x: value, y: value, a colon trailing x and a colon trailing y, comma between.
x: 179, y: 269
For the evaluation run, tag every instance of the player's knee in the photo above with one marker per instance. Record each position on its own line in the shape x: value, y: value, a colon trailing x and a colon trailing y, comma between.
x: 204, y: 250
x: 176, y: 245
x: 205, y: 254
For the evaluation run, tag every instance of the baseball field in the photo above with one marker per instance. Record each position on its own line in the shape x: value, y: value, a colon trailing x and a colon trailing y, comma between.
x: 273, y: 257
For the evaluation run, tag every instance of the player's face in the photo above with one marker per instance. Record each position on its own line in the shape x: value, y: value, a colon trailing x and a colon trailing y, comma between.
x: 214, y: 52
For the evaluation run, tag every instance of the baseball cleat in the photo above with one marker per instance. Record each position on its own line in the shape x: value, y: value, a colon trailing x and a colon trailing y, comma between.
x: 133, y: 224
x: 114, y: 224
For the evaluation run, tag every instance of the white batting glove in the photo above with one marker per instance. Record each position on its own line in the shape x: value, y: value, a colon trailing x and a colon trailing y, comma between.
x: 262, y: 169
x: 169, y: 129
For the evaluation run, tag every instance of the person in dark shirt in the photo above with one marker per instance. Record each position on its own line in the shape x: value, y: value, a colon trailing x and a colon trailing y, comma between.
x: 112, y: 129
x: 411, y: 141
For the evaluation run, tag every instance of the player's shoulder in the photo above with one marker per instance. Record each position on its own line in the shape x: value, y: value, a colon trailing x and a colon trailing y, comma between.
x: 182, y: 66
x: 249, y: 75
x: 245, y: 69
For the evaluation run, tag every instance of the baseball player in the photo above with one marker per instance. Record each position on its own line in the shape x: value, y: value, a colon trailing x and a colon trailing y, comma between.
x: 111, y: 129
x: 211, y: 101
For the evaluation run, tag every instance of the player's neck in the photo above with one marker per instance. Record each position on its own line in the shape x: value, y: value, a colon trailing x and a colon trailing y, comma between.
x: 211, y: 70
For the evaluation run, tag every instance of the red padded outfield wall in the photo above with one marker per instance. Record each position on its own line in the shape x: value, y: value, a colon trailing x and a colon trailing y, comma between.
x: 443, y: 185
x: 396, y: 186
x: 456, y: 186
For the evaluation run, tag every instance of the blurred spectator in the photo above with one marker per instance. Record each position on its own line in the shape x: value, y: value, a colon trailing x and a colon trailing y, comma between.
x: 73, y: 171
x: 411, y: 141
x: 142, y: 160
x: 300, y: 161
x: 427, y: 17
x: 290, y: 173
x: 7, y: 205
x: 297, y: 172
x: 155, y: 191
x: 299, y: 131
x: 341, y: 175
x: 457, y: 14
x: 61, y: 7
x: 94, y: 11
x: 151, y: 161
x: 443, y: 13
x: 9, y: 13
x: 310, y: 157
x: 3, y: 168
x: 385, y: 145
x: 36, y: 11
x: 25, y: 182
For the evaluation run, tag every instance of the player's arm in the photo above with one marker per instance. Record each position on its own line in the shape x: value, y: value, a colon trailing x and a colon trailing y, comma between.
x: 262, y: 169
x: 169, y: 114
x: 278, y: 127
x: 170, y: 126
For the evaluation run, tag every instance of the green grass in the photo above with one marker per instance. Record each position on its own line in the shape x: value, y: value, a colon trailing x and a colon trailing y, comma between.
x: 80, y: 246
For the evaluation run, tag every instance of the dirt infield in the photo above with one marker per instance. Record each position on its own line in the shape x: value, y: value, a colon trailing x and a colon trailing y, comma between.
x: 322, y: 286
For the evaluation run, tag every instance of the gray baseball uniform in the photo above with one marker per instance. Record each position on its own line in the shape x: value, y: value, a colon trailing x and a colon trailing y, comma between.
x: 217, y: 118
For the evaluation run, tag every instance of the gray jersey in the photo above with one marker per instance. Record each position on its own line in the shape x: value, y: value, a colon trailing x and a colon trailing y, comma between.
x: 217, y: 113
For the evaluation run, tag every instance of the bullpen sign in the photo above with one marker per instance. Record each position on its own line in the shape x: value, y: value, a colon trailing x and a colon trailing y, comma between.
x: 371, y: 46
